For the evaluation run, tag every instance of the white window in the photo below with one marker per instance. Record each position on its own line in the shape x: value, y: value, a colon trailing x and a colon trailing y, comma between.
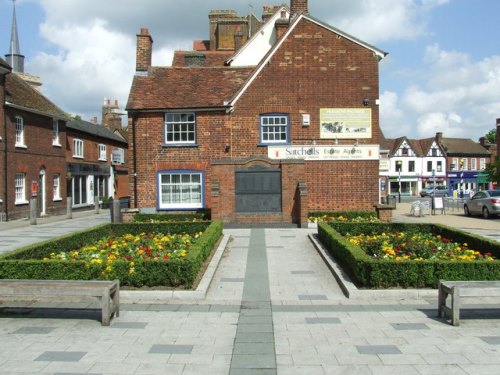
x: 482, y: 163
x: 56, y: 183
x: 455, y: 165
x: 439, y: 167
x: 463, y: 164
x: 77, y: 148
x: 55, y: 133
x: 102, y: 152
x: 180, y: 128
x: 274, y: 129
x: 20, y: 132
x: 473, y: 164
x: 20, y: 184
x: 180, y: 190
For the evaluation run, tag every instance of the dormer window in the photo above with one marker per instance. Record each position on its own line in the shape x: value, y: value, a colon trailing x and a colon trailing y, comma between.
x: 404, y: 151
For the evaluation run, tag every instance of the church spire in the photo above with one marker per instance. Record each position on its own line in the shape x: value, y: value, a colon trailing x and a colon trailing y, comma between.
x: 14, y: 57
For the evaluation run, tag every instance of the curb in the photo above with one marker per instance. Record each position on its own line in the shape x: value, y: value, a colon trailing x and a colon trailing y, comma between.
x: 352, y: 292
x: 166, y: 296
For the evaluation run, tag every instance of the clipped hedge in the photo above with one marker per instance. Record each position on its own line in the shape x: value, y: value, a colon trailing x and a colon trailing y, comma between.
x: 27, y: 263
x: 367, y: 272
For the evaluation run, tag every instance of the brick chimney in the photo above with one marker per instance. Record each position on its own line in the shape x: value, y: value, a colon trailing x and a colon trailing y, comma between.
x: 144, y: 51
x: 298, y: 7
x: 439, y: 137
x: 238, y: 39
x: 281, y: 25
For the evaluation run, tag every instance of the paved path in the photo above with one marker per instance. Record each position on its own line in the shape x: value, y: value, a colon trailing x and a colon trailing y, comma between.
x: 273, y: 307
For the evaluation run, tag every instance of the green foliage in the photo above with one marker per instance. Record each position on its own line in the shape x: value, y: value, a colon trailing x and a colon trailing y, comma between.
x: 491, y: 136
x: 27, y: 263
x: 344, y: 215
x: 492, y: 171
x: 367, y: 272
x: 168, y: 217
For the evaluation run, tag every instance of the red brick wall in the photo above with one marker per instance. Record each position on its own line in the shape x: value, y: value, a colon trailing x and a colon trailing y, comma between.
x: 39, y: 153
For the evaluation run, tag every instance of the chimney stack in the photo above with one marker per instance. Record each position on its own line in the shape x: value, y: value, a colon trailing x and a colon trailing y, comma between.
x: 298, y: 7
x: 281, y: 25
x: 144, y: 51
x: 439, y: 137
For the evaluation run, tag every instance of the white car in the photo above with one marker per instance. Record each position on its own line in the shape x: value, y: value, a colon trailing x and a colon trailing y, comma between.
x: 485, y: 202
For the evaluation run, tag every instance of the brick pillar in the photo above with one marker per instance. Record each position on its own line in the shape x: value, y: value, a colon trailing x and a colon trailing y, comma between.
x: 298, y: 6
x: 281, y: 25
x: 144, y: 51
x: 303, y: 204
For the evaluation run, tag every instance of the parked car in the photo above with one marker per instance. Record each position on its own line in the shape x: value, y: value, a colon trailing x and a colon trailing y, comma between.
x: 484, y: 202
x: 437, y: 191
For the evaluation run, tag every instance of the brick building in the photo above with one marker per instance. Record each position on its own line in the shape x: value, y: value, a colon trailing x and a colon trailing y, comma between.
x: 32, y: 135
x: 96, y: 165
x: 287, y: 124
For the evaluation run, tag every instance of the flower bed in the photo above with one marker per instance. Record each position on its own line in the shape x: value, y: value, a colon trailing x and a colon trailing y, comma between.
x: 384, y: 271
x: 138, y: 254
x: 343, y: 216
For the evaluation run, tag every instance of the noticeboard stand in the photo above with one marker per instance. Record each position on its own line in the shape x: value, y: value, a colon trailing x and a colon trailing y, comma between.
x: 438, y: 204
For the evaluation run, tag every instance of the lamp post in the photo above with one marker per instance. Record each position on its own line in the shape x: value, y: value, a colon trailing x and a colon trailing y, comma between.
x: 398, y: 167
x: 462, y: 184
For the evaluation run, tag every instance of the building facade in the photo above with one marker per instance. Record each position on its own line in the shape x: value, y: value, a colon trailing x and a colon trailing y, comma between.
x: 268, y: 138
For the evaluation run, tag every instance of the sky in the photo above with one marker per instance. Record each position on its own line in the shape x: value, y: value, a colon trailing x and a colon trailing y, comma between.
x: 441, y: 74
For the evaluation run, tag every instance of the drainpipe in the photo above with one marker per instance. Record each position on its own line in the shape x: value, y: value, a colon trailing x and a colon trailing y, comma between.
x: 5, y: 198
x: 134, y: 175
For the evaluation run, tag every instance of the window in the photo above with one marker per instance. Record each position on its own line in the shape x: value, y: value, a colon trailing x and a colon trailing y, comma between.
x: 473, y: 164
x: 399, y: 166
x: 77, y: 148
x: 455, y: 166
x: 411, y: 166
x: 429, y: 166
x: 79, y: 190
x: 404, y: 151
x: 20, y: 132
x: 56, y: 186
x: 482, y: 163
x: 274, y: 129
x: 55, y: 133
x: 434, y: 152
x: 180, y: 190
x: 102, y: 152
x: 101, y: 186
x: 20, y: 183
x: 439, y: 166
x: 180, y: 128
x: 463, y: 164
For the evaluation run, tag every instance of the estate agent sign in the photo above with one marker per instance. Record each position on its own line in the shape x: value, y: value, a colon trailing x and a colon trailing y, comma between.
x: 345, y: 123
x: 310, y: 153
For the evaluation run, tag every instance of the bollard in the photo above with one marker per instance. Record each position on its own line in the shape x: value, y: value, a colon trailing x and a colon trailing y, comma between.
x: 116, y: 213
x: 69, y: 208
x: 33, y: 211
x: 96, y: 204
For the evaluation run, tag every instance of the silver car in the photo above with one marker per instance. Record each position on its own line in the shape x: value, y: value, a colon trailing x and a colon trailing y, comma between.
x: 485, y: 202
x: 437, y: 191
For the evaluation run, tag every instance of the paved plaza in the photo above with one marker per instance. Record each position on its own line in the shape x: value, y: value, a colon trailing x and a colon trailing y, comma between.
x: 271, y: 306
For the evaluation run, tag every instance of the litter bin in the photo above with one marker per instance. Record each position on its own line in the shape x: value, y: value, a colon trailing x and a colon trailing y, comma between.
x: 391, y: 200
x: 124, y: 202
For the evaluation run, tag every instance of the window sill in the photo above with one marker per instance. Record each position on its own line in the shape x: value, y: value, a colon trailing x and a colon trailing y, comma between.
x: 18, y: 145
x: 56, y: 144
x: 77, y: 157
x: 57, y: 199
x: 273, y: 144
x: 102, y: 159
x: 21, y: 203
x: 180, y: 145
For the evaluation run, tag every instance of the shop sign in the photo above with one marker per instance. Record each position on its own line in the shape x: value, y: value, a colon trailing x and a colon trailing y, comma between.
x: 313, y: 153
x: 345, y: 123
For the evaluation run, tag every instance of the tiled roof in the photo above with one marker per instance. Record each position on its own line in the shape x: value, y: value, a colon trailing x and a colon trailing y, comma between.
x: 94, y: 129
x: 173, y: 87
x: 20, y: 94
x: 211, y: 58
x: 462, y: 146
x: 4, y: 66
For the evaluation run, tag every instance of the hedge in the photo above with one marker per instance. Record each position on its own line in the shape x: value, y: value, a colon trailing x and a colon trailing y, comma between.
x: 367, y: 272
x: 27, y: 263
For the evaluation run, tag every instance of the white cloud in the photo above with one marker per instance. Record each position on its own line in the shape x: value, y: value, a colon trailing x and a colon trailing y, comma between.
x: 392, y: 118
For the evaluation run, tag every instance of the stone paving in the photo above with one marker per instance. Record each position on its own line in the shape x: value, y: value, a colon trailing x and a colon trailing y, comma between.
x: 273, y: 307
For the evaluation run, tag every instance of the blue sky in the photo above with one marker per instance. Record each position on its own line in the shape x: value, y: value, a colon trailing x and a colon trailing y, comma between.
x: 442, y: 73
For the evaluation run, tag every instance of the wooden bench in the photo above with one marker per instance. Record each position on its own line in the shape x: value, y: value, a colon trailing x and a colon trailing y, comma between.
x: 106, y: 291
x: 457, y: 289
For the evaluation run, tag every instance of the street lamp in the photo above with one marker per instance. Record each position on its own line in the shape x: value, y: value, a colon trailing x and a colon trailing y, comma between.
x: 462, y: 184
x: 398, y: 167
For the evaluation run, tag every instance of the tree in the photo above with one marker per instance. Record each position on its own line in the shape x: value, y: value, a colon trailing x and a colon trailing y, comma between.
x: 492, y: 171
x: 491, y: 136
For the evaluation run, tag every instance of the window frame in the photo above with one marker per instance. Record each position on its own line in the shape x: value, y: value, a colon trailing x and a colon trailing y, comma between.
x: 20, y: 189
x: 473, y: 164
x: 20, y: 136
x: 439, y: 166
x: 482, y: 163
x: 56, y: 141
x: 180, y: 205
x: 411, y: 165
x: 430, y: 165
x: 78, y: 146
x: 267, y: 142
x: 102, y: 152
x: 190, y: 131
x: 56, y: 187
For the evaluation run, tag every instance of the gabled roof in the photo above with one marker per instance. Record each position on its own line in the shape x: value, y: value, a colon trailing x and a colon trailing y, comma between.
x: 4, y: 67
x: 381, y: 54
x: 19, y: 94
x: 462, y: 146
x: 211, y: 58
x: 93, y: 129
x: 177, y: 88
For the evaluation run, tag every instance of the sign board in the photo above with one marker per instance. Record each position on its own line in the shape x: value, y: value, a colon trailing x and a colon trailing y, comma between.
x: 117, y: 157
x: 317, y: 153
x: 345, y: 123
x: 34, y: 188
